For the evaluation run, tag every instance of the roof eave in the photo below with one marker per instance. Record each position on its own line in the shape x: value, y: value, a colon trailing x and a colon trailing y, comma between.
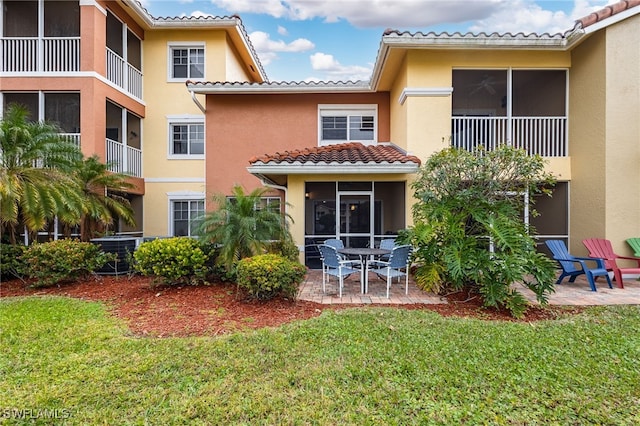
x: 346, y: 168
x: 612, y: 20
x: 231, y: 23
x: 468, y: 42
x: 243, y: 88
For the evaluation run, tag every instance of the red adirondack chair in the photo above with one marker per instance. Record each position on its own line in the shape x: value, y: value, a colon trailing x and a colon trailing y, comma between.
x: 602, y: 248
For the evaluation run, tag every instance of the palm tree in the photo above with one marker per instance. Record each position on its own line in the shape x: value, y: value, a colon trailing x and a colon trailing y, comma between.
x: 240, y: 227
x: 101, y: 201
x: 35, y: 180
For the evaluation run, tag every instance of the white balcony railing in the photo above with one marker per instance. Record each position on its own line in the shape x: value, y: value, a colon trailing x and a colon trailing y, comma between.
x: 124, y: 159
x: 61, y: 54
x: 545, y: 136
x: 72, y: 137
x: 123, y: 74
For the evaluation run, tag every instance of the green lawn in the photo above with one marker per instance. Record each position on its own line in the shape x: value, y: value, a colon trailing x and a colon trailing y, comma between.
x: 69, y: 358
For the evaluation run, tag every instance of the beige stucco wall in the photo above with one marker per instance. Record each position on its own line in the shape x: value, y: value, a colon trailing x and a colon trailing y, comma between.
x: 422, y: 124
x: 235, y: 68
x: 605, y: 137
x: 166, y: 99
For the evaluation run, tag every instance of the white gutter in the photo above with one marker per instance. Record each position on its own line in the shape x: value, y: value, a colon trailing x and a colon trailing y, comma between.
x: 197, y: 102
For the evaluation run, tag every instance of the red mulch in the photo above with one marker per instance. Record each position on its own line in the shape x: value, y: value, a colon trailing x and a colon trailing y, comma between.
x: 155, y: 310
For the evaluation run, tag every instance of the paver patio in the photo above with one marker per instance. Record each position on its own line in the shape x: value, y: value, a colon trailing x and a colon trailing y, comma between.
x: 576, y: 293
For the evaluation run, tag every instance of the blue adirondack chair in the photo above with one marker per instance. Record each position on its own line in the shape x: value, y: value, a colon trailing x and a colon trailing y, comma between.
x: 573, y: 266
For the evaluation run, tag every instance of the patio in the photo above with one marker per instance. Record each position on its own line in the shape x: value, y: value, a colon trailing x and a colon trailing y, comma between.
x: 577, y: 293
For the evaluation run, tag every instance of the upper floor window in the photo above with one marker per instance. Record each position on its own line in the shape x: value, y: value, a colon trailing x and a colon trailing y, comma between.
x: 186, y: 137
x: 186, y: 61
x: 347, y: 123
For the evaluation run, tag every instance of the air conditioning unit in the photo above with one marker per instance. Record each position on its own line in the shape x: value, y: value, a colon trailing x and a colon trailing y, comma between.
x: 123, y: 246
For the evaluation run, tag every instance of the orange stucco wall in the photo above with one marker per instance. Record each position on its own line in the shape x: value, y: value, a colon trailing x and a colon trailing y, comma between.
x: 93, y: 96
x: 240, y: 127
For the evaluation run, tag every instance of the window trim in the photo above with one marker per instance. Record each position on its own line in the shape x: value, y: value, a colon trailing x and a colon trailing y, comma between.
x: 325, y: 110
x: 173, y: 120
x: 173, y: 197
x: 185, y: 45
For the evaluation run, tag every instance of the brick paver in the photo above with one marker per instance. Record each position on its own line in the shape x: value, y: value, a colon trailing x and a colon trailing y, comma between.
x: 577, y: 293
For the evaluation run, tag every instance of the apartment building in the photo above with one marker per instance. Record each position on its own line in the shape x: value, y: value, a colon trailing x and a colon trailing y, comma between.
x: 113, y: 77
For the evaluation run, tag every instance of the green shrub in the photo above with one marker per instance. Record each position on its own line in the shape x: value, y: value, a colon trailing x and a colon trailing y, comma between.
x: 285, y: 247
x: 10, y: 260
x: 62, y: 260
x: 178, y: 260
x: 269, y: 275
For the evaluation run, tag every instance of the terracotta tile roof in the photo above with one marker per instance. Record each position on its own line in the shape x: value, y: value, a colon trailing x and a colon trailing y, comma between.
x: 344, y: 153
x: 606, y: 12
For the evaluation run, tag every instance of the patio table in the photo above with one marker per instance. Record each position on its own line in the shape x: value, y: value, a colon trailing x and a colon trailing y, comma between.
x: 363, y: 253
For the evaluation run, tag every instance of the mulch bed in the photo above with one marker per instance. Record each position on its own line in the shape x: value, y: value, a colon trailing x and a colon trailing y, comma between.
x: 156, y: 310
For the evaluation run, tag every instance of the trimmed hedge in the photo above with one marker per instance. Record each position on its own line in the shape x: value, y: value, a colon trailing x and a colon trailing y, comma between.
x: 178, y: 260
x: 269, y: 275
x: 54, y: 262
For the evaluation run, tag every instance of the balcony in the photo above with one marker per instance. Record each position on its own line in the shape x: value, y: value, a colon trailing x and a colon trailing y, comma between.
x: 32, y: 54
x: 123, y: 74
x: 544, y: 136
x: 123, y: 159
x: 73, y: 138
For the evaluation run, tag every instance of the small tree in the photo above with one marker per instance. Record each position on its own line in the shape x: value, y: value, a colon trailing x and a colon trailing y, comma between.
x: 36, y: 183
x: 469, y: 229
x: 240, y: 227
x: 101, y: 201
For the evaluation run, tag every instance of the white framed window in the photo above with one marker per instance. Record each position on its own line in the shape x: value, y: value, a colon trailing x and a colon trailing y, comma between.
x: 185, y: 213
x: 186, y: 61
x: 186, y: 137
x: 347, y: 123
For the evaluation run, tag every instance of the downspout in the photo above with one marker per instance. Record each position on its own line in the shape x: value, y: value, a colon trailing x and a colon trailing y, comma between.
x: 197, y: 102
x: 284, y: 189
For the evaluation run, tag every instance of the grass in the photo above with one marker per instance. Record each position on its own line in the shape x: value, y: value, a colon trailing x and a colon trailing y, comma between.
x: 356, y: 366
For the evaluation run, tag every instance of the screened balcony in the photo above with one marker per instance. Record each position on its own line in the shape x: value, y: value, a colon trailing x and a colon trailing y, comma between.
x: 124, y: 57
x: 40, y: 36
x: 522, y: 108
x: 123, y: 141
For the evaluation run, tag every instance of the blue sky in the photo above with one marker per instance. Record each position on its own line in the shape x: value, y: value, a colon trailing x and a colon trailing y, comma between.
x: 337, y: 40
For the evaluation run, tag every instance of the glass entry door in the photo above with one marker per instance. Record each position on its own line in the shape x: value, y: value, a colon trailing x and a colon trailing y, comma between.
x: 355, y: 224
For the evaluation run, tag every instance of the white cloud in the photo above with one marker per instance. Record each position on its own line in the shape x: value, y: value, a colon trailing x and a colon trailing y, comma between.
x: 489, y: 15
x: 196, y: 14
x: 282, y: 30
x: 262, y: 42
x: 268, y: 49
x: 528, y: 17
x: 370, y: 13
x: 334, y: 70
x: 275, y: 8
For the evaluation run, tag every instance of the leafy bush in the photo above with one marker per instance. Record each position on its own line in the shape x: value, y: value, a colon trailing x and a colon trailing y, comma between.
x: 286, y: 248
x: 469, y: 229
x: 62, y: 260
x: 269, y: 275
x: 178, y: 260
x: 10, y: 260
